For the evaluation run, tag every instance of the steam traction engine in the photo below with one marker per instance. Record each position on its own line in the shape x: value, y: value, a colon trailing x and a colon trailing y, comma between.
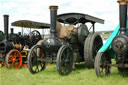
x: 66, y: 44
x: 15, y: 47
x: 116, y: 47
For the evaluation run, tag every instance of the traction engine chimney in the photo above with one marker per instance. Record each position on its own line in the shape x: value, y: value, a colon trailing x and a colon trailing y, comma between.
x: 123, y: 16
x: 6, y: 21
x: 53, y: 17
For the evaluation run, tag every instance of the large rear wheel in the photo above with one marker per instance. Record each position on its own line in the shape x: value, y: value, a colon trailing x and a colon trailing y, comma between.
x: 34, y: 36
x: 35, y: 57
x: 92, y: 44
x: 64, y: 60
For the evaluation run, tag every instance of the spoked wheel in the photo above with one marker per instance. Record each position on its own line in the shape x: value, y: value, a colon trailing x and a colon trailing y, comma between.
x: 35, y: 56
x: 64, y: 60
x: 13, y: 59
x: 92, y: 44
x: 35, y: 36
x: 102, y: 64
x: 2, y: 63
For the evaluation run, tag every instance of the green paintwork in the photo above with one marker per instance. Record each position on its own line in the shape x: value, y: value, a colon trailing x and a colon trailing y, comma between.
x: 107, y: 45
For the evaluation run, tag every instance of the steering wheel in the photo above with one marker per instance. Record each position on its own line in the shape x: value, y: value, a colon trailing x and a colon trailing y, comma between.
x: 34, y: 37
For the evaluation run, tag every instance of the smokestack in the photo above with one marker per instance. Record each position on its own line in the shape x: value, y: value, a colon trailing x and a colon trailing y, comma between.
x: 123, y: 16
x: 12, y: 32
x: 6, y: 21
x: 53, y: 15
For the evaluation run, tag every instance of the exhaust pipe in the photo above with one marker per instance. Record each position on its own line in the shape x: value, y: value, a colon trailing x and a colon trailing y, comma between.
x: 123, y: 16
x: 53, y: 17
x: 6, y: 21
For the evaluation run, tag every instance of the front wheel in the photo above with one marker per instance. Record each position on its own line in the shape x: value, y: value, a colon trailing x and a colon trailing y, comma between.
x: 35, y: 57
x: 13, y: 59
x: 102, y: 64
x: 64, y: 60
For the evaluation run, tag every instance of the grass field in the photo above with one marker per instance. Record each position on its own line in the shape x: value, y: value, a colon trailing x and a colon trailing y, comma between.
x: 80, y: 76
x: 105, y: 35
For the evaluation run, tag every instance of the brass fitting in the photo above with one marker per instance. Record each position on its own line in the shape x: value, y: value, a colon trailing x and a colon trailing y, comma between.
x: 18, y: 46
x: 122, y: 2
x: 53, y: 7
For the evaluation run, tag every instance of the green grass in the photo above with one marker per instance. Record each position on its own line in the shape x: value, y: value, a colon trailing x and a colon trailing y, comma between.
x: 105, y: 35
x: 80, y: 76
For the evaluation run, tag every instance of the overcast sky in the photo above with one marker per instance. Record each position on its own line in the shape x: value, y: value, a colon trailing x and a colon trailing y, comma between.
x: 37, y: 10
